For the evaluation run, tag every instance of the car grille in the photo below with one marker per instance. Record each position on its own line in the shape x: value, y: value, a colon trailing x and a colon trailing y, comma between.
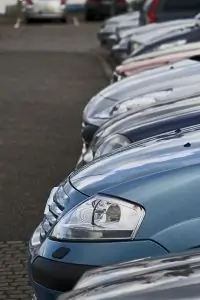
x: 50, y: 217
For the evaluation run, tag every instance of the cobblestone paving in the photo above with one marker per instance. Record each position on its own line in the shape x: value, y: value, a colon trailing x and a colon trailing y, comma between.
x: 13, y: 271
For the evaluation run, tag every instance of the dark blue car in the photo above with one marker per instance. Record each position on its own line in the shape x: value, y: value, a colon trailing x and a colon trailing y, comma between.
x: 143, y: 201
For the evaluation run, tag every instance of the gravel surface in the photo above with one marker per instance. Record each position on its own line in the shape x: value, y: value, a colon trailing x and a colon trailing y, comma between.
x: 48, y: 73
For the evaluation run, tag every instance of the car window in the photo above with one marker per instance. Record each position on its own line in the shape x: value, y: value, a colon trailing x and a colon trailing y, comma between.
x: 182, y: 5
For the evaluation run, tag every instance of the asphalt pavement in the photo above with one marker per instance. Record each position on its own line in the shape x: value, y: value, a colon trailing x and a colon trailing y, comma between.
x: 48, y: 72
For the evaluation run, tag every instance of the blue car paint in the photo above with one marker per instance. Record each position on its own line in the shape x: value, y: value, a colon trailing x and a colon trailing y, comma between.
x: 43, y: 293
x: 137, y: 175
x: 100, y: 254
x: 173, y: 223
x: 153, y: 156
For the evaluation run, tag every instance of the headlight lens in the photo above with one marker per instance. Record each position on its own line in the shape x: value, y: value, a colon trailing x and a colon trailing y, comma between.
x: 35, y: 239
x: 100, y: 218
x: 110, y: 144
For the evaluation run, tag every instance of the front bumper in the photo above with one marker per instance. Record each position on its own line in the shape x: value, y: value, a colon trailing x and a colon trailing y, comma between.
x: 52, y: 275
x: 64, y: 275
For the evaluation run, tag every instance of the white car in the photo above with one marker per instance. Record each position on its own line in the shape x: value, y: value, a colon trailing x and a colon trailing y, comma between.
x: 44, y: 9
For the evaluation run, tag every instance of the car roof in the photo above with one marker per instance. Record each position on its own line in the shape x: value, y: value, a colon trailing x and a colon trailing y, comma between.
x: 164, y: 152
x: 172, y: 277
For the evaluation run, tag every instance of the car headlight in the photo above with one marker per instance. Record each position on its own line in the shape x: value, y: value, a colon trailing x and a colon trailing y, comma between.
x: 35, y: 239
x: 100, y: 218
x: 110, y: 144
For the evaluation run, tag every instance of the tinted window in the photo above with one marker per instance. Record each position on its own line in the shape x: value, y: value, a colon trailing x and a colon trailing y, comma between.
x: 182, y: 5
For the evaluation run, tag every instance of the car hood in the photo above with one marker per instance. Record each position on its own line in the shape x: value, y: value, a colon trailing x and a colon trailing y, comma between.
x: 161, y: 175
x: 134, y: 86
x: 150, y: 157
x: 132, y: 120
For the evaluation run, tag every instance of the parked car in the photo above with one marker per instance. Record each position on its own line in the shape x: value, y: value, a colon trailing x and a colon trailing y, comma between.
x: 108, y: 103
x: 164, y: 50
x: 176, y: 112
x: 168, y: 277
x: 108, y: 27
x: 48, y: 9
x: 126, y: 31
x: 140, y: 65
x: 120, y: 51
x: 104, y: 8
x: 139, y: 202
x: 141, y: 44
x: 112, y: 39
x: 164, y: 10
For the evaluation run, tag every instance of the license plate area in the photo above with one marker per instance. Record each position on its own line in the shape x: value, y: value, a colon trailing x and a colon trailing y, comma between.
x: 46, y: 7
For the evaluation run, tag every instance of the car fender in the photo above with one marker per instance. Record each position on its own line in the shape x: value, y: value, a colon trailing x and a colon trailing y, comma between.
x: 180, y: 237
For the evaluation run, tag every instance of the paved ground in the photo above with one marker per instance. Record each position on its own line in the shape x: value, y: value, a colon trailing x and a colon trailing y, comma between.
x: 48, y: 73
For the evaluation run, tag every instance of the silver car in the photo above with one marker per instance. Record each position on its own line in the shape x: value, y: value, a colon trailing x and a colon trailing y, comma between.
x: 44, y: 9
